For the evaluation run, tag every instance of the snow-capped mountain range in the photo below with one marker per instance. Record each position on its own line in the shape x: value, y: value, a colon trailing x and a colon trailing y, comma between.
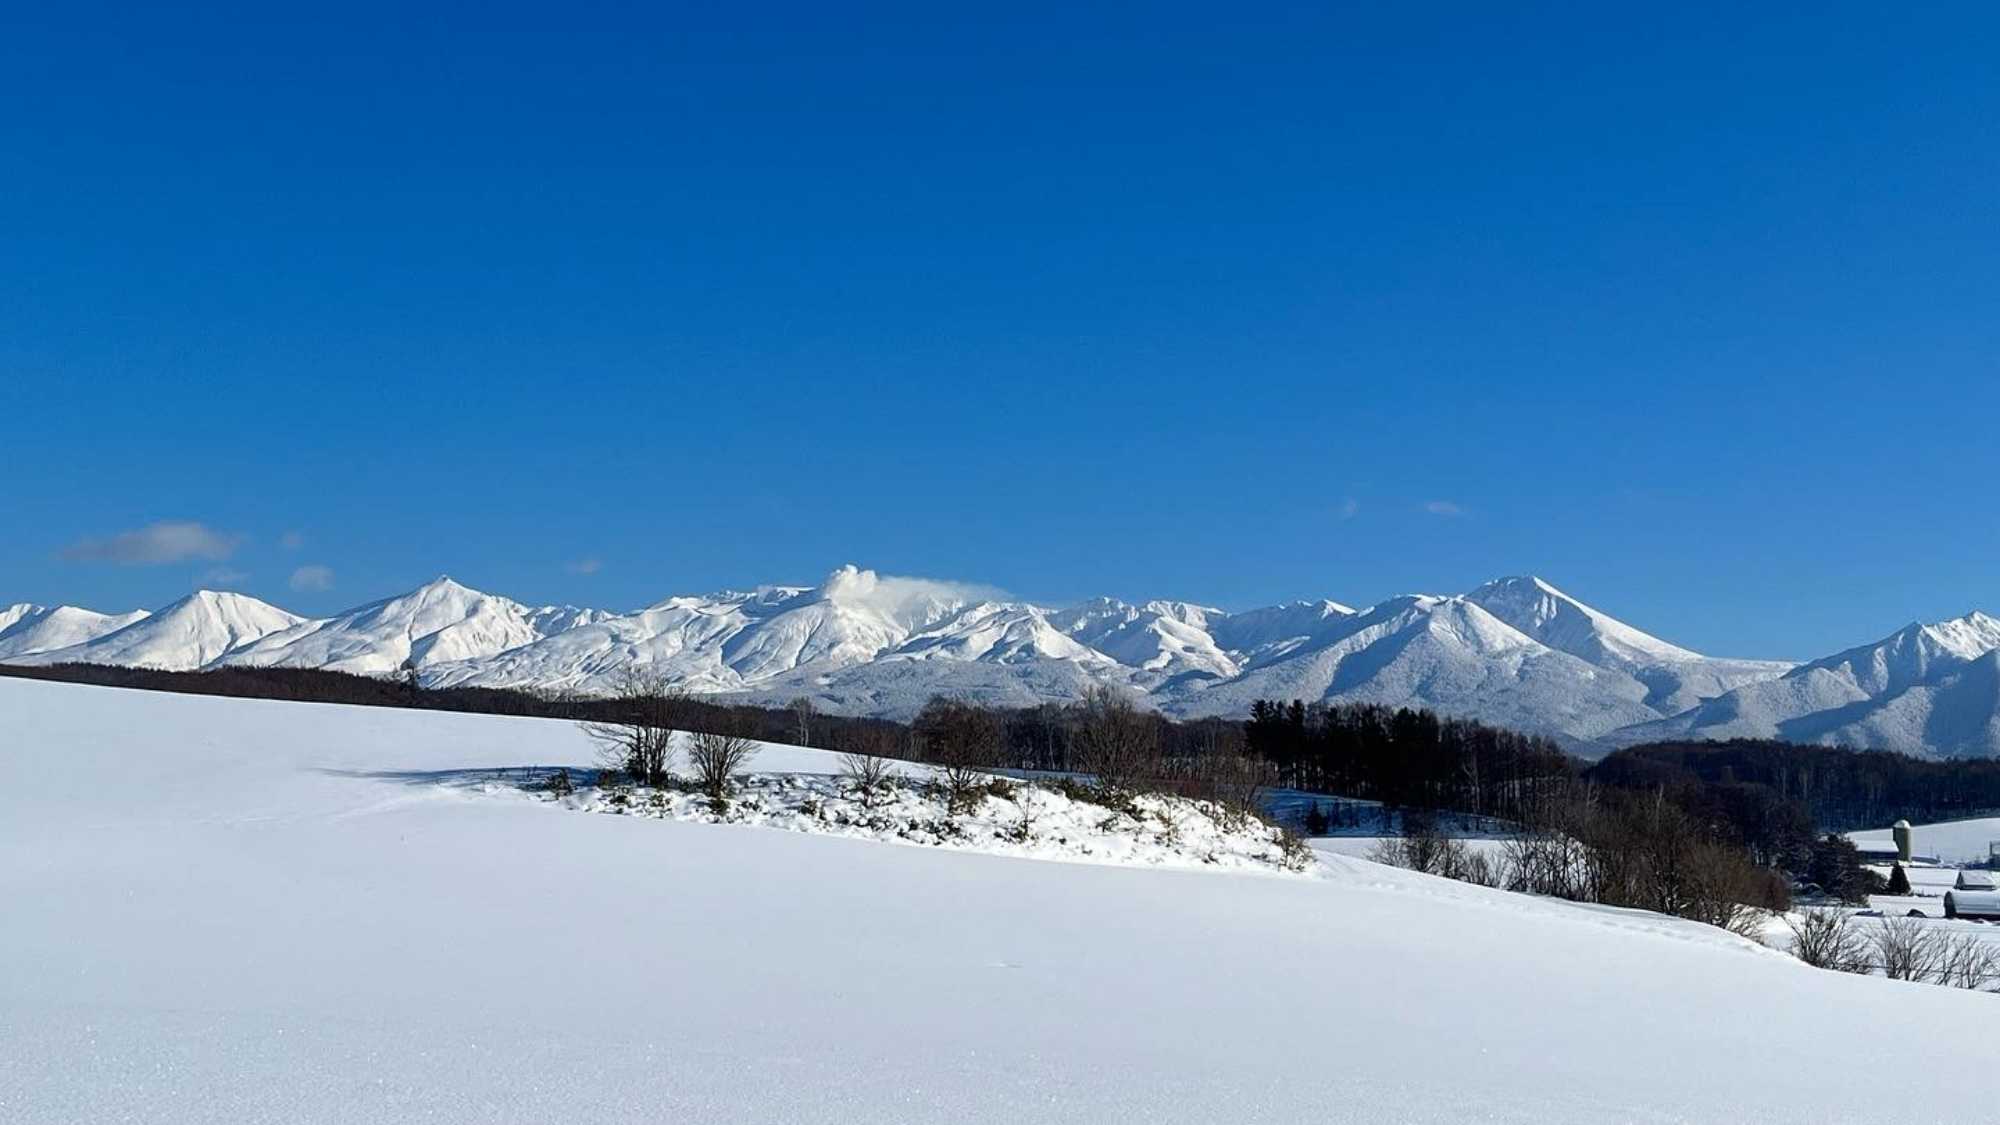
x: 1516, y: 652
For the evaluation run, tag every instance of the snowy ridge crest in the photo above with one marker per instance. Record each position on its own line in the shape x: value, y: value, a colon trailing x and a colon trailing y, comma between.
x: 1517, y: 652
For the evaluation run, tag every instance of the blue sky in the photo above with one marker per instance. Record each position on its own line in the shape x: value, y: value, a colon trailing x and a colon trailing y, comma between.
x: 1692, y: 312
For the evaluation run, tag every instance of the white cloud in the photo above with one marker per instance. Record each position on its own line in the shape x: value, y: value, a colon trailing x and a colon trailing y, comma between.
x: 1443, y: 508
x: 901, y: 598
x: 590, y: 565
x: 223, y: 576
x: 312, y: 577
x: 1349, y: 508
x: 169, y: 541
x: 292, y: 540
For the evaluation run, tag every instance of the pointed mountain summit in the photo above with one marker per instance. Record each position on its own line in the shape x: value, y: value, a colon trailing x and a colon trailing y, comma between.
x: 1676, y: 678
x: 184, y: 636
x: 437, y: 622
x: 1565, y: 624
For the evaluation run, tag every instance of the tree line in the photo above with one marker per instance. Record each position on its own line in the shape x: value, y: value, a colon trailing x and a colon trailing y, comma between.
x: 1837, y: 787
x: 1774, y: 799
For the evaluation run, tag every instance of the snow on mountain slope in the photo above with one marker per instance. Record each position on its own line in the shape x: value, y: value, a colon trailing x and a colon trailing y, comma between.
x: 1161, y: 640
x: 436, y: 623
x: 1927, y: 690
x: 1517, y: 651
x: 1448, y: 654
x: 265, y: 911
x: 1675, y: 678
x: 997, y: 633
x: 28, y: 629
x: 1268, y: 633
x: 183, y: 636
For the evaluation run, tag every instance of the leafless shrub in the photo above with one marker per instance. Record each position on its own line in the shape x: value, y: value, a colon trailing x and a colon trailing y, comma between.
x: 1967, y: 961
x: 1907, y: 949
x: 1482, y: 869
x: 1235, y: 781
x: 639, y: 740
x: 1825, y: 938
x: 1546, y: 862
x: 865, y: 763
x: 963, y: 741
x: 716, y: 757
x: 1719, y: 886
x: 1390, y: 851
x: 867, y: 774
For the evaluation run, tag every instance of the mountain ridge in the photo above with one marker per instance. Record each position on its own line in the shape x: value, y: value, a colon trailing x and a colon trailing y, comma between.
x: 1516, y: 651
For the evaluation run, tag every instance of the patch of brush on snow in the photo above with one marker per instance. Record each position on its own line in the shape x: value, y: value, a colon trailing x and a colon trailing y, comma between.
x: 1009, y: 818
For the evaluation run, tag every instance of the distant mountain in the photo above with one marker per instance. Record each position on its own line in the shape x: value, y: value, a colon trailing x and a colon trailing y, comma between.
x: 1516, y: 652
x: 436, y: 623
x: 191, y: 633
x: 1675, y: 678
x: 1925, y: 689
x: 28, y: 629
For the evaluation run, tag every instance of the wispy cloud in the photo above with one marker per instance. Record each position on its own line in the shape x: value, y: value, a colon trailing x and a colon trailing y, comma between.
x: 896, y: 596
x: 1443, y: 508
x: 292, y: 540
x: 169, y: 541
x: 223, y: 576
x: 1349, y: 508
x: 312, y: 577
x: 590, y: 565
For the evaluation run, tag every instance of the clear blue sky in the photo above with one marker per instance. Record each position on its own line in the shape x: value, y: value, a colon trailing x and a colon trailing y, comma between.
x: 1695, y: 313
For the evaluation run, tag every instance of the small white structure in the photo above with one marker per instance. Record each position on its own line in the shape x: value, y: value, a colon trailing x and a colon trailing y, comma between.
x: 1974, y: 881
x: 1972, y: 904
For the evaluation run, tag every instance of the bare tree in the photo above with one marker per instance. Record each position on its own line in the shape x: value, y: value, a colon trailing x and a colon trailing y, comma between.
x: 717, y: 756
x: 1114, y: 739
x: 1907, y: 949
x: 1224, y: 775
x: 1826, y: 939
x: 802, y: 720
x: 1968, y: 961
x: 866, y: 766
x: 646, y: 709
x: 962, y: 739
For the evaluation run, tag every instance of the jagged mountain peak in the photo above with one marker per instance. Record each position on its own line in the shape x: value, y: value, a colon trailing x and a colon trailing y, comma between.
x: 1516, y: 650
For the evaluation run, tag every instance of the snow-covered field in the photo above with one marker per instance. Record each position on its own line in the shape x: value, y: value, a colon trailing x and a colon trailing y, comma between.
x: 229, y: 911
x: 1953, y: 841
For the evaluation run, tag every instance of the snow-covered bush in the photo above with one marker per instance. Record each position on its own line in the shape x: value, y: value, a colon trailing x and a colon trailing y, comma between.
x: 1826, y: 939
x: 997, y: 815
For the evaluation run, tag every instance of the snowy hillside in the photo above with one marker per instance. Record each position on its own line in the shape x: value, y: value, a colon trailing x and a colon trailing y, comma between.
x: 1927, y: 690
x: 1517, y: 652
x: 1953, y: 841
x: 259, y: 911
x: 28, y: 629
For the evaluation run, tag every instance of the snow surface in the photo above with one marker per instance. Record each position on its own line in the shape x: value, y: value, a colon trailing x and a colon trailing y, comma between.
x: 1953, y: 841
x: 1517, y: 651
x: 241, y: 911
